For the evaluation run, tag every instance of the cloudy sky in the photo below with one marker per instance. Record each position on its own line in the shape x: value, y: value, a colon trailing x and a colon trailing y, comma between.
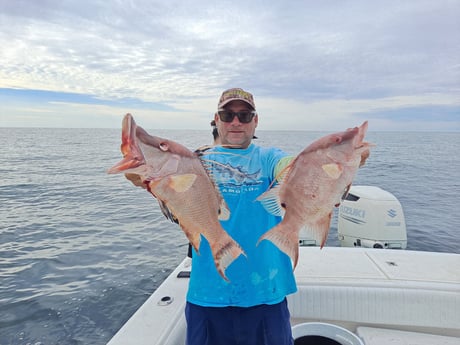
x: 311, y: 65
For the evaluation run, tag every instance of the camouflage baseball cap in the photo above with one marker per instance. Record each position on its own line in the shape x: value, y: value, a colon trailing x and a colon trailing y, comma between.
x: 236, y: 94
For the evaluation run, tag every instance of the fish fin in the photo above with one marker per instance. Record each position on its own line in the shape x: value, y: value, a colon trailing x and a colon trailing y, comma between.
x: 319, y: 230
x: 225, y: 251
x: 286, y: 239
x: 167, y: 212
x: 283, y: 168
x: 364, y: 156
x: 333, y: 170
x: 224, y: 212
x: 195, y: 240
x: 344, y: 195
x: 182, y: 183
x: 207, y: 165
x: 270, y: 199
x: 136, y: 180
x: 364, y: 152
x: 271, y: 202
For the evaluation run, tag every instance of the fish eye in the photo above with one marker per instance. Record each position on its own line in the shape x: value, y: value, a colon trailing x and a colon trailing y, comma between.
x: 164, y: 146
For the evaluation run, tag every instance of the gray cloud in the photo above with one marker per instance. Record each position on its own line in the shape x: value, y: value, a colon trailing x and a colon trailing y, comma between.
x: 165, y: 51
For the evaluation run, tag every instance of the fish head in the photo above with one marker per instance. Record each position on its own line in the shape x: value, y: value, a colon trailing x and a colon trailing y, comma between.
x: 146, y: 155
x: 343, y: 146
x: 353, y: 136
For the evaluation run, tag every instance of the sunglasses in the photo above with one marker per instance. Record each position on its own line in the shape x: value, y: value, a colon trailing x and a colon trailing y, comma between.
x: 244, y: 116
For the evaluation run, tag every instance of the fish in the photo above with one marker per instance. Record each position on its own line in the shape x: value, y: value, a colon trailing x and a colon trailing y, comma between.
x: 311, y: 185
x: 235, y: 173
x: 186, y: 193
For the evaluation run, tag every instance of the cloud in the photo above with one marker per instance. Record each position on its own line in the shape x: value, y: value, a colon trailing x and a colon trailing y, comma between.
x: 172, y: 54
x: 390, y: 113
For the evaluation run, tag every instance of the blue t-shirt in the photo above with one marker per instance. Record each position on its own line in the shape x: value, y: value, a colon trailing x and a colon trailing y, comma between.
x: 265, y: 276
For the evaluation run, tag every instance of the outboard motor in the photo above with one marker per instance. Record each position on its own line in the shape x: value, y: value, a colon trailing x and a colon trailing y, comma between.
x: 371, y: 217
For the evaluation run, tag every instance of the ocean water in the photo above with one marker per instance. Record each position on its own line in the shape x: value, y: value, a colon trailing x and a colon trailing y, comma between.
x: 81, y: 250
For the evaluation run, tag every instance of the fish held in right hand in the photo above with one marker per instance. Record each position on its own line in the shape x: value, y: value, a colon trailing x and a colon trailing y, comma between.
x: 186, y: 194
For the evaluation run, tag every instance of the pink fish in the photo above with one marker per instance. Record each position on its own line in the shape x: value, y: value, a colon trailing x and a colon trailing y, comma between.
x: 176, y: 177
x: 313, y: 184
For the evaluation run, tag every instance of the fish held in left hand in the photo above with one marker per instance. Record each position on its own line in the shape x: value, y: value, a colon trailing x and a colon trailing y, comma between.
x: 313, y: 184
x: 176, y: 177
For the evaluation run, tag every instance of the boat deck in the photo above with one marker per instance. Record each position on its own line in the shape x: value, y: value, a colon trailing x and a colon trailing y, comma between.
x: 366, y: 291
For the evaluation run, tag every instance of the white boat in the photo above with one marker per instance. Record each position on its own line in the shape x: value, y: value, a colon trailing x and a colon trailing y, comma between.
x: 346, y: 296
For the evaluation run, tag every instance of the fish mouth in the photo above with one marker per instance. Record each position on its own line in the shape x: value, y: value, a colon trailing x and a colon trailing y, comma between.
x: 132, y: 153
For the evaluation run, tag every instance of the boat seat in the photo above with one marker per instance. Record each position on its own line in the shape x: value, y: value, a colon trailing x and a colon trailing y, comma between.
x: 381, y: 336
x: 378, y: 288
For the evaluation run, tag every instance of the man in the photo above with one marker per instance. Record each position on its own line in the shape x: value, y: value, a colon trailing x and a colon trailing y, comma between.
x: 251, y: 307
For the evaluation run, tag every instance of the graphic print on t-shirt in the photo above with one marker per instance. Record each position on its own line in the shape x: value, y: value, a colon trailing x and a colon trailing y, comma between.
x: 229, y: 176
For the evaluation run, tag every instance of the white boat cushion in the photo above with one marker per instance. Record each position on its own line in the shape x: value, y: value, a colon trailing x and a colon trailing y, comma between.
x: 381, y: 336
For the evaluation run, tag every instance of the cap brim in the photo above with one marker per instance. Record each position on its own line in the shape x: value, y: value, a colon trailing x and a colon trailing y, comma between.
x: 223, y: 104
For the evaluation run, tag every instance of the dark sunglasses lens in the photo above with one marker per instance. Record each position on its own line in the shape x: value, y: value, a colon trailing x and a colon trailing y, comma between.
x: 226, y: 116
x: 243, y: 116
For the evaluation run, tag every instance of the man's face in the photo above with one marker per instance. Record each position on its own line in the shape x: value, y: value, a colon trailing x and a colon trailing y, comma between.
x: 235, y: 132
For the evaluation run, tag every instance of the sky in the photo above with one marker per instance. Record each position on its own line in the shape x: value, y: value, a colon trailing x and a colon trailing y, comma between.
x: 311, y: 65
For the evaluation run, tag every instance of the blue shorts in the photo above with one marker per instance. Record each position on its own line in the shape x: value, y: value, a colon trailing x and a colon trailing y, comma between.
x: 263, y: 324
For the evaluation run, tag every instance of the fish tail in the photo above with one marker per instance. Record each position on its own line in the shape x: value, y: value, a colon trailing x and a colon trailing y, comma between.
x: 225, y: 252
x: 286, y: 239
x: 318, y: 230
